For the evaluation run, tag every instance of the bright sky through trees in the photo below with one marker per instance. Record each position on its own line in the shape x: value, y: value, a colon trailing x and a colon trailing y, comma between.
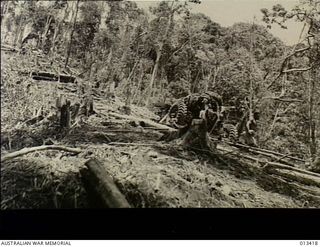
x: 228, y: 12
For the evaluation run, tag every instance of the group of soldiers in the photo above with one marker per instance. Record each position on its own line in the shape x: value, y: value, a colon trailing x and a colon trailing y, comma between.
x: 208, y: 106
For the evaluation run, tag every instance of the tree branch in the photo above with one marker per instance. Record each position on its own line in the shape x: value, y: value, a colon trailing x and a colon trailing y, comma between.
x: 39, y: 148
x: 293, y: 52
x: 296, y: 70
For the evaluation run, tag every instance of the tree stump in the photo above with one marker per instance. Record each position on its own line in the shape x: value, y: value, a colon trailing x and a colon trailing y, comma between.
x: 197, y: 135
x: 65, y: 116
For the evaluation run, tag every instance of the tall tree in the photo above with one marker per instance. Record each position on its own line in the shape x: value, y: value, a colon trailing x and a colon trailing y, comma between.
x: 164, y: 22
x: 71, y: 35
x: 303, y: 61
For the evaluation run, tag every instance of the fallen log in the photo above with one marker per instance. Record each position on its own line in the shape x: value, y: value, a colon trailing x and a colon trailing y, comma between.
x: 63, y: 87
x: 9, y: 48
x: 152, y: 128
x: 134, y: 144
x: 276, y: 158
x: 39, y: 148
x: 290, y: 168
x: 268, y: 164
x: 280, y: 185
x: 98, y: 179
x: 302, y: 178
x: 265, y: 151
x: 47, y: 76
x: 238, y: 154
x: 257, y: 152
x: 146, y: 121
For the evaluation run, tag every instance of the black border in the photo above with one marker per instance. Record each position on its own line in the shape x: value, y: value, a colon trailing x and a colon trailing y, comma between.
x: 154, y: 224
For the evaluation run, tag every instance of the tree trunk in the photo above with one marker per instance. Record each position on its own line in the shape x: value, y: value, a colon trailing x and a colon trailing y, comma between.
x: 71, y: 34
x: 4, y: 18
x: 275, y: 119
x: 154, y: 73
x: 207, y: 86
x: 127, y: 84
x: 18, y: 33
x: 54, y: 38
x: 159, y: 54
x: 312, y: 129
x: 4, y: 9
x: 57, y: 28
x: 138, y: 86
x: 126, y: 37
x: 98, y: 181
x: 133, y: 69
x: 194, y: 84
x: 216, y: 70
x: 46, y: 30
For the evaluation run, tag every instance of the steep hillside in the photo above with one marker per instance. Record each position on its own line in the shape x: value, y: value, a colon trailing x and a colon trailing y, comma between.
x: 104, y: 104
x: 149, y: 172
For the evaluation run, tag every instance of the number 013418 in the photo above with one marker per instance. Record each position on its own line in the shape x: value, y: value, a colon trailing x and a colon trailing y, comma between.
x: 309, y: 243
